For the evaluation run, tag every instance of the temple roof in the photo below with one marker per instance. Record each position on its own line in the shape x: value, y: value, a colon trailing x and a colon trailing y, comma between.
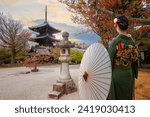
x: 44, y: 37
x: 45, y: 27
x: 45, y: 31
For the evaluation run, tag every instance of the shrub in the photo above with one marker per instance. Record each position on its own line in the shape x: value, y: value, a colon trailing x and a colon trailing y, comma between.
x: 34, y: 60
x: 5, y: 56
x: 56, y: 53
x: 76, y: 56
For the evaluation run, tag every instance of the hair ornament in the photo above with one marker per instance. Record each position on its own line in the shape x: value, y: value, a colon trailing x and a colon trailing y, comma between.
x: 115, y: 20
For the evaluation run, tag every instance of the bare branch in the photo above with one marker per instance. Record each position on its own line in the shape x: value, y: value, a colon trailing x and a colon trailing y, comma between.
x: 12, y: 34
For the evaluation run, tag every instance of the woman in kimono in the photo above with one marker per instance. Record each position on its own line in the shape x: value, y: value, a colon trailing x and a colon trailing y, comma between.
x: 124, y: 57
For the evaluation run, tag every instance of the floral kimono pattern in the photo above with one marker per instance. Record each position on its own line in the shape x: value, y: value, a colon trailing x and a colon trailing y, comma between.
x: 126, y: 54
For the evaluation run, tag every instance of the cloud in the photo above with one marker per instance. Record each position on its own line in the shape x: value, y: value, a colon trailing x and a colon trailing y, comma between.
x: 29, y: 10
x: 9, y: 2
x: 47, y: 2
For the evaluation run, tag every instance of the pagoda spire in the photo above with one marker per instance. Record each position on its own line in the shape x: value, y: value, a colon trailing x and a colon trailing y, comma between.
x: 46, y: 13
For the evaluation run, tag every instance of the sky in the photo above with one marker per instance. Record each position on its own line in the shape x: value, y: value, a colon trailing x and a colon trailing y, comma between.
x: 29, y: 10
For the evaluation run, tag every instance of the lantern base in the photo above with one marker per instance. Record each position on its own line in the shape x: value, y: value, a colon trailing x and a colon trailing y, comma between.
x: 62, y: 87
x: 70, y: 86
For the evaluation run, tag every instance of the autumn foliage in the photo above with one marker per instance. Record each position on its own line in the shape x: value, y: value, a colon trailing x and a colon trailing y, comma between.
x: 35, y: 59
x: 98, y: 15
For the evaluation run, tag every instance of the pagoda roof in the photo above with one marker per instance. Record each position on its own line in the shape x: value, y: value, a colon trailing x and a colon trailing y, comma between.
x: 43, y: 26
x: 44, y: 37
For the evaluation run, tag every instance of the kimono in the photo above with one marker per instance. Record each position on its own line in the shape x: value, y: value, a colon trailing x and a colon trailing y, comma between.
x: 124, y: 58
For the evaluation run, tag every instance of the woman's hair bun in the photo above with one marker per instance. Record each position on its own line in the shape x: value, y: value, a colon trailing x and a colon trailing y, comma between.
x: 122, y: 21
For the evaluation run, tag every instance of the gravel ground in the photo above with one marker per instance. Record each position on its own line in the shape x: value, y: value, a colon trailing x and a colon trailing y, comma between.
x: 15, y: 84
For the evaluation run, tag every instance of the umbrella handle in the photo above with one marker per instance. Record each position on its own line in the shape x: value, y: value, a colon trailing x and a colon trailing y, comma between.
x: 85, y: 76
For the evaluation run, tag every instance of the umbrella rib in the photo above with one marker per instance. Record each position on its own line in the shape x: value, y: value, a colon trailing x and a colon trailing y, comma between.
x: 105, y: 68
x: 102, y: 88
x: 94, y: 91
x: 101, y: 62
x: 99, y: 65
x: 102, y: 69
x: 99, y: 54
x: 98, y: 59
x: 90, y: 53
x: 91, y: 92
x: 104, y: 63
x: 102, y: 77
x: 102, y: 73
x: 97, y: 91
x: 101, y: 81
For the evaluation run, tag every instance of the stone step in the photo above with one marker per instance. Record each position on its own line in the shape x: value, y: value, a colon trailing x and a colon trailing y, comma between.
x: 70, y: 86
x: 60, y: 87
x: 54, y: 94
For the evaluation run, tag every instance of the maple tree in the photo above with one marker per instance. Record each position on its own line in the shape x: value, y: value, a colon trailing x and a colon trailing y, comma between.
x: 35, y: 59
x: 98, y: 15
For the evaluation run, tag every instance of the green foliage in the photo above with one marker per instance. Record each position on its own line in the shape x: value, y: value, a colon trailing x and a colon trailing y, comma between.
x: 20, y: 56
x: 56, y: 53
x: 76, y: 56
x: 5, y: 56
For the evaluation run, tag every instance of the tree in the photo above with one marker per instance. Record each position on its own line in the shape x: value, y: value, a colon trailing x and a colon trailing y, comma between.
x: 12, y: 35
x: 98, y: 15
x: 35, y: 59
x: 55, y: 54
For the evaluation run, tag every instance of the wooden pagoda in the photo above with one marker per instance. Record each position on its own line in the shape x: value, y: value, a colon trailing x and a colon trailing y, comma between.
x: 45, y: 36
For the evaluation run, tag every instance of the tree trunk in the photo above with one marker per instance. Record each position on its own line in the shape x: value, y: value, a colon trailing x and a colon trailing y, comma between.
x: 13, y: 55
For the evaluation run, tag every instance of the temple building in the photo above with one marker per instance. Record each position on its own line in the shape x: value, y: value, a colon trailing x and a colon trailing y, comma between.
x: 45, y: 33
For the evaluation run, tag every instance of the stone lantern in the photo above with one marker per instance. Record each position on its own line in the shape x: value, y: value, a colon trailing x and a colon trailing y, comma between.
x: 65, y: 83
x: 64, y: 58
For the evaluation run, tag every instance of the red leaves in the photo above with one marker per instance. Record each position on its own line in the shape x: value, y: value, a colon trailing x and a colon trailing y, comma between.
x: 35, y: 59
x: 134, y: 22
x: 99, y: 14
